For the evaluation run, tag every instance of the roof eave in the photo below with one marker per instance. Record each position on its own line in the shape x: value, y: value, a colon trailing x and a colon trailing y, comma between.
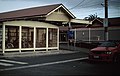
x: 64, y: 9
x: 80, y: 21
x: 23, y: 18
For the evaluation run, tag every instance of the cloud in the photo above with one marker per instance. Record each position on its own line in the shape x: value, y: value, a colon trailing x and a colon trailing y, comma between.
x: 83, y: 8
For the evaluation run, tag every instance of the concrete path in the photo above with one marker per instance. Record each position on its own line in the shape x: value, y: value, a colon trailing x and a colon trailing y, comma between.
x: 64, y: 49
x: 73, y: 48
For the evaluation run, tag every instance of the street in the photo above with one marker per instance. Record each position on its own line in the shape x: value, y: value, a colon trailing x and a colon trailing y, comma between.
x: 61, y: 64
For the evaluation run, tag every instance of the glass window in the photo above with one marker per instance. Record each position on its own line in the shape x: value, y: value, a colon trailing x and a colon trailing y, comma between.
x: 11, y: 37
x: 52, y: 37
x: 40, y: 37
x: 63, y: 36
x: 27, y: 37
x: 0, y: 37
x: 108, y: 44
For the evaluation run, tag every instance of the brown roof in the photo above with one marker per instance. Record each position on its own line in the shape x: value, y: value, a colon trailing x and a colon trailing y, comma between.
x: 111, y: 21
x: 36, y: 11
x: 114, y: 21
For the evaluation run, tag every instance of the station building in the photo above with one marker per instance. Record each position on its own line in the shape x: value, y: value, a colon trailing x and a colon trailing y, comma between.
x: 32, y: 29
x: 35, y: 29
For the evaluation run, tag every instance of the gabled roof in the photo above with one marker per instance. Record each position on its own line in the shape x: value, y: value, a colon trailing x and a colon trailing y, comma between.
x: 97, y: 19
x: 42, y: 11
x: 111, y: 21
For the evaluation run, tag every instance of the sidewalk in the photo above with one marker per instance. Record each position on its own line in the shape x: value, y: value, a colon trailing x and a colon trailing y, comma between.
x: 37, y: 53
x: 73, y: 48
x: 64, y: 49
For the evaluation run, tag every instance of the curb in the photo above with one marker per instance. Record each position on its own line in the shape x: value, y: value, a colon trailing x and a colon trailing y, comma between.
x: 40, y: 53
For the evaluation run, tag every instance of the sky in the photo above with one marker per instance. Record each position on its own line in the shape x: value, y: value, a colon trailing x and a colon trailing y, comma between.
x: 80, y: 8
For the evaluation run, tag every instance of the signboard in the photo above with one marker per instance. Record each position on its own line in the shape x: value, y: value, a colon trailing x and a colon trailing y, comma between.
x: 70, y: 34
x: 105, y: 22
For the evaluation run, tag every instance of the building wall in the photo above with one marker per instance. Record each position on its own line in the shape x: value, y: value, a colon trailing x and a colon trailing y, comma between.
x: 82, y: 35
x: 114, y: 34
x: 29, y: 34
x: 96, y: 34
x: 58, y: 15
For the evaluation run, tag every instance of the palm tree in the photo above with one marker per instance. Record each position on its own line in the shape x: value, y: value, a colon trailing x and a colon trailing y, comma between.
x: 91, y: 17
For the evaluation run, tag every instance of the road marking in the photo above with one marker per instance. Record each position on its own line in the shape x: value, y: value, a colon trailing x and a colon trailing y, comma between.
x: 5, y: 64
x: 10, y: 61
x: 43, y: 64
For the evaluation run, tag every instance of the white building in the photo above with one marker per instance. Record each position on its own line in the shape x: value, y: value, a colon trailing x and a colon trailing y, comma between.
x: 32, y: 29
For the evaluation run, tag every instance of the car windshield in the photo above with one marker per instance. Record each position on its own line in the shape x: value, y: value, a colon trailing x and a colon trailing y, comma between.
x: 108, y: 44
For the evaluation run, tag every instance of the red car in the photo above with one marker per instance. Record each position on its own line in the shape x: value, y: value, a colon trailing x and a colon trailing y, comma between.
x: 107, y: 51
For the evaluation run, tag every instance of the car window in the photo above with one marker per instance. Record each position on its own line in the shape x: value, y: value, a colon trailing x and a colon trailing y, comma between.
x: 108, y: 44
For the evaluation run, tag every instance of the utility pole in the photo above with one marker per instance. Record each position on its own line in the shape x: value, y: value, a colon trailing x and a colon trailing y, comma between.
x: 106, y: 21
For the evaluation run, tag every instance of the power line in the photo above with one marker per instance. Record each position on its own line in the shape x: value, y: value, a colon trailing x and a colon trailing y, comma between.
x: 98, y: 7
x: 115, y: 1
x: 77, y: 5
x: 91, y: 5
x: 82, y: 6
x: 100, y: 4
x: 90, y: 10
x: 100, y: 10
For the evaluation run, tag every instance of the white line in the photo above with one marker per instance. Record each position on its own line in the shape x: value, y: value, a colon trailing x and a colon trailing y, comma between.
x: 10, y: 61
x: 5, y: 64
x: 43, y: 64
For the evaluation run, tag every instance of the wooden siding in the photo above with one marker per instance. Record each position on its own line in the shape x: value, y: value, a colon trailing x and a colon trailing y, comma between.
x: 58, y: 16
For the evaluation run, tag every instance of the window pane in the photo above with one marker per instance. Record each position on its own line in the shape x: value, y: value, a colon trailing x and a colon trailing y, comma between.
x: 0, y: 37
x: 52, y: 37
x: 27, y: 37
x: 11, y: 37
x: 63, y: 36
x: 40, y: 37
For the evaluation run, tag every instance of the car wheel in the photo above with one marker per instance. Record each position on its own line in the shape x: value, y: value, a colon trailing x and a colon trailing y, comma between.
x: 116, y: 58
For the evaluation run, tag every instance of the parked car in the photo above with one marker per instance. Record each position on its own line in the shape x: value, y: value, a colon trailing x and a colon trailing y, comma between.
x: 106, y: 51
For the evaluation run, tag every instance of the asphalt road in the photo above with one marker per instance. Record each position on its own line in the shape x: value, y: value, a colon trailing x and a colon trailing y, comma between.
x: 65, y: 64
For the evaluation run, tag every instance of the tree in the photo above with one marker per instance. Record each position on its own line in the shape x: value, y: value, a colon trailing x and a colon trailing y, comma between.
x: 91, y: 17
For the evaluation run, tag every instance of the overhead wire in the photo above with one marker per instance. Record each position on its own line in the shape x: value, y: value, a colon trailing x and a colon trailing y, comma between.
x: 77, y: 5
x: 94, y: 3
x: 89, y: 5
x: 115, y: 1
x: 95, y: 9
x: 82, y: 6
